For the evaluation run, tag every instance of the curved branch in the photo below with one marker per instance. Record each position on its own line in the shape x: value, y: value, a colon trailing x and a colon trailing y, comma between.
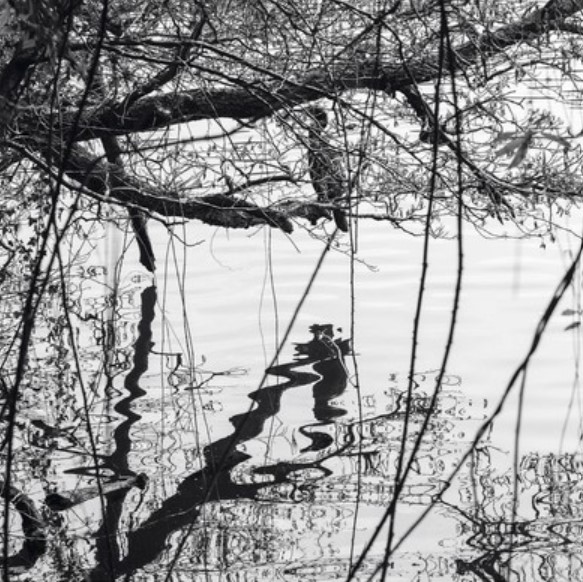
x: 109, y: 180
x: 33, y: 528
x: 256, y: 98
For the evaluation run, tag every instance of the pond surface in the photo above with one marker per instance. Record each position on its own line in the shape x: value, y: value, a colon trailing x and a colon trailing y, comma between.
x: 263, y: 402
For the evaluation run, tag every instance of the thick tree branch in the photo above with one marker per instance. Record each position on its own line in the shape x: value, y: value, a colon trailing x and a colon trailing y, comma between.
x: 109, y: 180
x: 168, y: 73
x: 245, y: 98
x: 137, y: 219
x: 11, y: 79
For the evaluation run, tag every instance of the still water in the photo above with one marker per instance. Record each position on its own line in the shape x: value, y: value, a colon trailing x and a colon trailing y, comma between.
x: 280, y: 465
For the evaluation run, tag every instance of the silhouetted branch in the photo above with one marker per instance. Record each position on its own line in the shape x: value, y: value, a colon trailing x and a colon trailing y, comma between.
x: 33, y: 528
x: 105, y: 179
x: 265, y: 92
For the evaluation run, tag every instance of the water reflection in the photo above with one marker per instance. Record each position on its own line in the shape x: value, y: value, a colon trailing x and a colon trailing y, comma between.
x: 217, y: 480
x: 294, y: 502
x: 543, y: 541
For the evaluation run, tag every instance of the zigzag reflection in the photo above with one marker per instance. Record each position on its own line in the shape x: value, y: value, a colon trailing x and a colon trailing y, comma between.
x: 217, y: 480
x: 241, y: 514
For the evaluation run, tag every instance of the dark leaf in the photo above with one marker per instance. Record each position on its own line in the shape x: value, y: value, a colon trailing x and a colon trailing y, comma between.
x: 510, y: 147
x: 504, y: 135
x: 557, y: 139
x: 521, y: 151
x: 569, y: 312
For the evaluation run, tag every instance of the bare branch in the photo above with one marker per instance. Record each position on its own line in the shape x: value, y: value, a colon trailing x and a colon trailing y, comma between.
x: 257, y: 97
x: 97, y: 175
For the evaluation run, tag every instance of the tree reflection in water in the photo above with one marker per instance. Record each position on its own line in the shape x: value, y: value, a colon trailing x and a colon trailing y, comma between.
x: 215, y: 481
x: 249, y: 517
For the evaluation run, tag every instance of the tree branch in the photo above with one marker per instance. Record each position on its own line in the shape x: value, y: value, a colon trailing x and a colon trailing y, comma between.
x: 106, y: 179
x: 245, y: 98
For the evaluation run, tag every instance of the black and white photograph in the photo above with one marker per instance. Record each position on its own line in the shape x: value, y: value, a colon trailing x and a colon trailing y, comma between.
x: 291, y: 290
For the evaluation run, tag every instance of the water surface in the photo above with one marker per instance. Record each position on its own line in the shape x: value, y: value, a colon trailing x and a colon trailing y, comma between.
x: 286, y: 474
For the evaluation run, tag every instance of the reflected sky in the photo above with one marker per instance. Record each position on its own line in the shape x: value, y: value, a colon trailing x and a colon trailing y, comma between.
x: 289, y: 475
